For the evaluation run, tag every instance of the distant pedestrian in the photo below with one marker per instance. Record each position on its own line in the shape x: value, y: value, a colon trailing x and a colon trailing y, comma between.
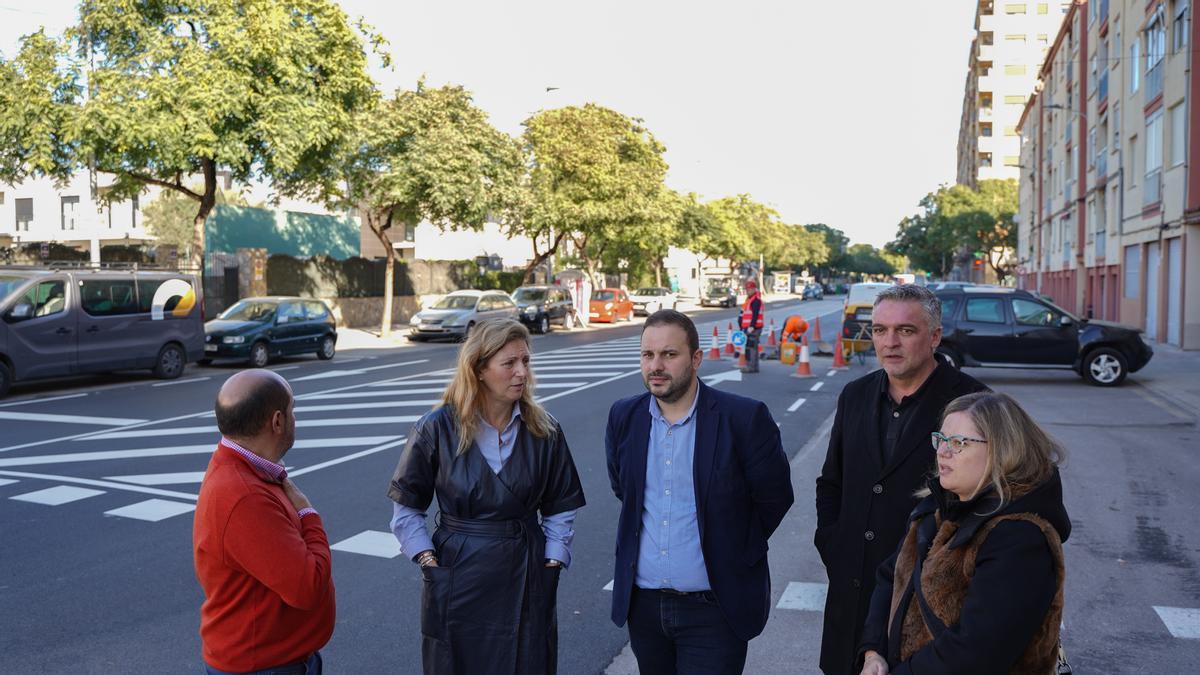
x: 977, y: 584
x: 703, y: 482
x: 495, y: 459
x: 878, y: 456
x: 793, y: 329
x: 751, y: 322
x: 261, y: 553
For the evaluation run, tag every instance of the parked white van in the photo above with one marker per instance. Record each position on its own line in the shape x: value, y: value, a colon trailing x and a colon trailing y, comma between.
x: 56, y: 322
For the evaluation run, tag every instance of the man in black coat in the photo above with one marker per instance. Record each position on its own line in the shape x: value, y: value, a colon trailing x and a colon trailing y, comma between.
x: 879, y: 455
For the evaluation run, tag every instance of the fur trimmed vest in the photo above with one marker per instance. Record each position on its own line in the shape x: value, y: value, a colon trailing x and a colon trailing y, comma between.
x: 946, y: 574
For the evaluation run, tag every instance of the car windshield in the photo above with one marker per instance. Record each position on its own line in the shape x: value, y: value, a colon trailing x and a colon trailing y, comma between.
x: 456, y: 302
x: 719, y: 290
x: 530, y: 295
x: 249, y: 310
x: 650, y: 291
x: 9, y: 283
x: 602, y: 295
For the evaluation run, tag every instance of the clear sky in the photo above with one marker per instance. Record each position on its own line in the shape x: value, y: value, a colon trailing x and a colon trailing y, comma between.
x: 842, y: 112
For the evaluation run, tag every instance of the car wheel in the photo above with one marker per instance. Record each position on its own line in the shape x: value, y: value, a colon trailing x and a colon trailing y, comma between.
x: 328, y: 347
x: 467, y: 333
x: 568, y: 321
x: 6, y: 379
x: 170, y: 362
x: 259, y: 355
x: 544, y: 325
x: 950, y: 358
x: 1104, y: 367
x: 204, y: 362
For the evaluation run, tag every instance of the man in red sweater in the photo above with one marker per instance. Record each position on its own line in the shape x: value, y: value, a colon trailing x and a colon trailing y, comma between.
x: 261, y: 553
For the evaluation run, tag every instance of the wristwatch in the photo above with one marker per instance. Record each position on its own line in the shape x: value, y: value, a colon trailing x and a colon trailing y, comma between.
x: 551, y: 562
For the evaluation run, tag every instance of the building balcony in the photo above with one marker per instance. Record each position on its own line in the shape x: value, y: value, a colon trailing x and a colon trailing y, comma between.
x: 1102, y: 90
x: 1153, y: 84
x: 1152, y: 189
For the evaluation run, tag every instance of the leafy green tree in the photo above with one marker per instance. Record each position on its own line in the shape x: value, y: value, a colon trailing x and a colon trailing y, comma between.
x: 929, y: 239
x: 170, y: 217
x: 985, y: 220
x: 427, y: 154
x: 866, y: 260
x: 836, y: 243
x: 597, y: 177
x: 179, y: 90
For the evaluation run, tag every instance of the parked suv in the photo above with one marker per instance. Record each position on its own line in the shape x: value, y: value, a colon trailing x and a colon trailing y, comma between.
x: 56, y: 322
x: 647, y: 301
x: 996, y: 327
x: 539, y: 307
x: 256, y: 329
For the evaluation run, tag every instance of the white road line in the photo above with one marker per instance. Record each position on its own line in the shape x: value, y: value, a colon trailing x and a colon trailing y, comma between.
x: 347, y: 458
x: 100, y: 455
x: 99, y: 483
x: 831, y: 373
x: 54, y: 496
x: 371, y: 542
x: 152, y: 510
x: 186, y: 431
x: 537, y: 367
x: 796, y: 406
x: 7, y: 481
x: 1182, y: 622
x: 428, y: 403
x: 388, y: 392
x: 280, y: 370
x: 181, y: 478
x: 174, y: 382
x: 41, y: 400
x: 563, y: 376
x: 609, y: 585
x: 68, y: 419
x: 816, y: 386
x: 802, y: 596
x: 588, y: 386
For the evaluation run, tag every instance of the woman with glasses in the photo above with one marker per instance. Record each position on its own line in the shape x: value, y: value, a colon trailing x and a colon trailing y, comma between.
x: 507, y: 492
x: 977, y: 584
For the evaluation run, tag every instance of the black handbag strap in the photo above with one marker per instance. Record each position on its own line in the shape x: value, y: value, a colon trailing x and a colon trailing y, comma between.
x: 926, y: 532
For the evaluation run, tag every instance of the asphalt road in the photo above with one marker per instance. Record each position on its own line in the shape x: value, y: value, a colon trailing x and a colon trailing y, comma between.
x: 98, y: 477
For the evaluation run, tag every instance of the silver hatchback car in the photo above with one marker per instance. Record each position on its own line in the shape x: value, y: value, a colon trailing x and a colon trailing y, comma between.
x: 457, y: 313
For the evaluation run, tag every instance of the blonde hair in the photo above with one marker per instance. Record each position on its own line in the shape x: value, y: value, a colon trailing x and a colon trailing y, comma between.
x: 464, y: 395
x: 1021, y: 455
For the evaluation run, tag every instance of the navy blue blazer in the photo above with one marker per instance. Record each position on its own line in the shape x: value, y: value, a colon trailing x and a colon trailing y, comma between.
x: 743, y: 489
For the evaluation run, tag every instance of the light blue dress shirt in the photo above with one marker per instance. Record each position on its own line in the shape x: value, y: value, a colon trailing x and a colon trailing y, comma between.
x: 669, y: 553
x: 408, y: 524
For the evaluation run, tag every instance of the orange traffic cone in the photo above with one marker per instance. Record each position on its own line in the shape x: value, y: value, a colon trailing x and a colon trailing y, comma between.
x: 729, y: 341
x: 771, y: 336
x: 803, y: 367
x: 714, y: 354
x: 839, y: 359
x: 817, y: 330
x: 741, y: 362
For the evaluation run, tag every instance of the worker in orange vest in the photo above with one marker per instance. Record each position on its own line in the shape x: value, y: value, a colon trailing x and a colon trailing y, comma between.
x: 793, y: 329
x: 751, y: 322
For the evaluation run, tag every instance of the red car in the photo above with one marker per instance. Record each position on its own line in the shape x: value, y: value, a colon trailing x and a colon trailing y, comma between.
x: 609, y: 305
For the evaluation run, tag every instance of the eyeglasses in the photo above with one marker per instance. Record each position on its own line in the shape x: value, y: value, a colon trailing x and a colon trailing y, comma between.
x: 956, y: 443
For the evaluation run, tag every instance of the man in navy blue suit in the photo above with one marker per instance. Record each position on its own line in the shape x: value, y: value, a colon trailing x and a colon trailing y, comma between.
x: 703, y: 482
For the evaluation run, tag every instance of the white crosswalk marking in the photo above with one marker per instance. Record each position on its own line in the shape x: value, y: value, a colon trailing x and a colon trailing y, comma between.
x: 1181, y: 622
x: 184, y: 431
x: 180, y: 478
x: 152, y: 510
x: 609, y: 585
x: 7, y: 481
x: 370, y: 542
x: 563, y: 376
x: 803, y: 596
x: 59, y: 494
x: 207, y: 448
x: 68, y: 419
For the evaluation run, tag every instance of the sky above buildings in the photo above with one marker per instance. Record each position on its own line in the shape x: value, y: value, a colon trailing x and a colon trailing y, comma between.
x: 845, y: 113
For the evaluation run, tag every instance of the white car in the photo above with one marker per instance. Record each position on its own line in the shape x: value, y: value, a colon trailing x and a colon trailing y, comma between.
x: 649, y: 300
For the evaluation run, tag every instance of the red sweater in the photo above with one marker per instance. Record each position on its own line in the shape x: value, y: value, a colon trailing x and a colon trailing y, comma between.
x: 265, y: 571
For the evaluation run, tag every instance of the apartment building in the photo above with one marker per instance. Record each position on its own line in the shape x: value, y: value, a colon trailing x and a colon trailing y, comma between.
x: 1011, y: 39
x: 41, y: 211
x: 1109, y: 222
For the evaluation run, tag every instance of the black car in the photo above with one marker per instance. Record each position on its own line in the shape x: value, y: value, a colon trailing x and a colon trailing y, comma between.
x: 541, y: 306
x: 989, y: 326
x: 812, y: 292
x: 719, y: 296
x: 256, y: 329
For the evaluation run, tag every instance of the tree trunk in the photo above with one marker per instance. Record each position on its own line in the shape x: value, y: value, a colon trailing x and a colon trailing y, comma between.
x: 380, y: 225
x: 658, y: 267
x: 207, y: 201
x: 539, y: 258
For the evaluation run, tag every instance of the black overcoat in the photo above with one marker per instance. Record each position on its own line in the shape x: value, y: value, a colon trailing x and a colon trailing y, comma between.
x: 490, y: 605
x: 863, y: 506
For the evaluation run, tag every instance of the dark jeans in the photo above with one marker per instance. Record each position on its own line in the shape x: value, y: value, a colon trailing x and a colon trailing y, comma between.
x: 312, y: 666
x: 752, y: 337
x: 687, y: 635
